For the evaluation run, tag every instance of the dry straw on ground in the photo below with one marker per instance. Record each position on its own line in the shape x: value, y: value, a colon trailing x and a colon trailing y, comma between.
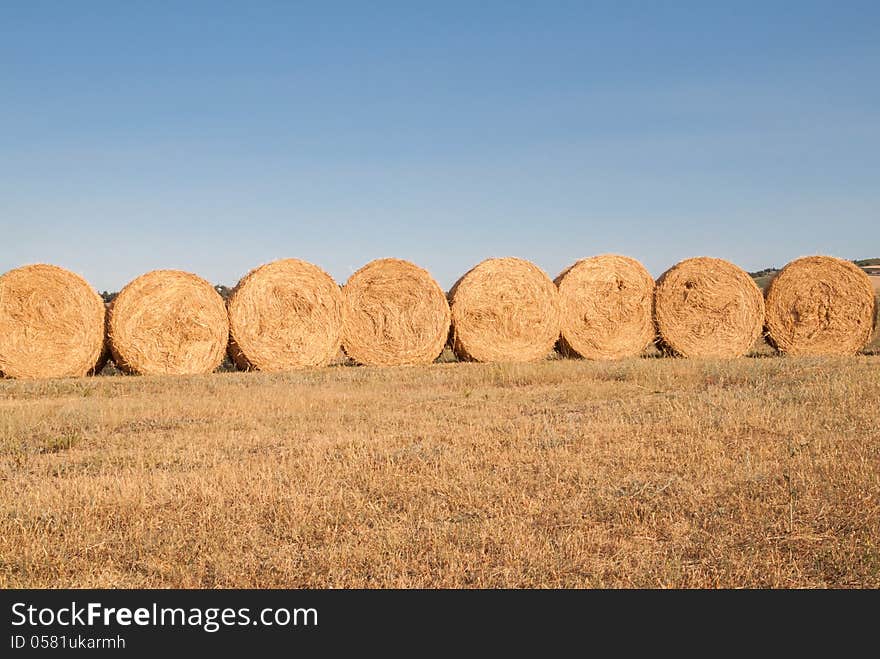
x: 394, y: 313
x: 606, y: 304
x: 820, y: 305
x: 168, y: 322
x: 706, y: 307
x: 504, y: 310
x: 560, y: 474
x: 51, y: 323
x: 285, y: 315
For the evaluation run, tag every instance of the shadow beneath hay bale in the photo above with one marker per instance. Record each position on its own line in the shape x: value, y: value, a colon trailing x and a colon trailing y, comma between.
x: 654, y: 351
x: 109, y: 369
x: 763, y: 349
x: 447, y: 356
x: 226, y: 366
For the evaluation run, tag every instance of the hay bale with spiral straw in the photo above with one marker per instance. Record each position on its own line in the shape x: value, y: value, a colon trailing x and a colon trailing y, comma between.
x: 820, y: 305
x: 51, y: 323
x: 394, y: 313
x: 168, y: 322
x: 707, y: 307
x: 504, y: 310
x: 606, y: 306
x: 285, y: 315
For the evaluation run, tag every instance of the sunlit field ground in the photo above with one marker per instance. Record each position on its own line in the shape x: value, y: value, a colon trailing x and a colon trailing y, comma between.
x: 762, y: 471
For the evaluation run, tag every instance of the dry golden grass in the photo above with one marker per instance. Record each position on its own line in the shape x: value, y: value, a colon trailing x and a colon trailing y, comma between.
x: 646, y: 472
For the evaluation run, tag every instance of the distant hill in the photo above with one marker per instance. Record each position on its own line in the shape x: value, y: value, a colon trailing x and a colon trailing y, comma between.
x: 766, y: 272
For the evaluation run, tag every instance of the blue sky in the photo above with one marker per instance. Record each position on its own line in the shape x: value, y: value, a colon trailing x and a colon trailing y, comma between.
x: 216, y: 136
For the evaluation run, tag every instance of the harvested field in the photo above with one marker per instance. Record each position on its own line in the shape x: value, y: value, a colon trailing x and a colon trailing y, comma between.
x: 643, y: 472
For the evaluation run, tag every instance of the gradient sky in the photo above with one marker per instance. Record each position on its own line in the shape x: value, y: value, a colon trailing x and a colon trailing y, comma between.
x: 215, y: 136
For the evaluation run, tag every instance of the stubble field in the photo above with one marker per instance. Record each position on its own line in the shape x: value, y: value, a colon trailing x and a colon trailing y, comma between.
x: 762, y: 471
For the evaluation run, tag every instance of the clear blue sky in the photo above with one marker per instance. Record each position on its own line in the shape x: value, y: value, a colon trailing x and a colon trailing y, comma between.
x: 214, y: 136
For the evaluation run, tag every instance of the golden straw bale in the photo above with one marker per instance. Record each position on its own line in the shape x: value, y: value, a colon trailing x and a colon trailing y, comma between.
x: 707, y: 307
x: 51, y: 323
x: 607, y: 304
x: 285, y: 315
x: 504, y: 310
x: 168, y: 322
x: 820, y: 305
x: 394, y: 313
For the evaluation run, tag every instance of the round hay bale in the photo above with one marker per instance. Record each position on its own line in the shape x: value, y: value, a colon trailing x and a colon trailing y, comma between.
x: 606, y: 304
x: 504, y: 310
x: 168, y: 322
x: 394, y: 313
x: 51, y: 323
x: 820, y: 305
x: 285, y: 315
x: 707, y: 307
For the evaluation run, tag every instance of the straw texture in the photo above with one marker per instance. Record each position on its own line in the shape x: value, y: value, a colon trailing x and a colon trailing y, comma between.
x: 606, y: 303
x: 285, y: 315
x: 820, y: 305
x: 51, y: 323
x: 394, y: 313
x: 504, y: 310
x: 707, y: 307
x: 168, y: 322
